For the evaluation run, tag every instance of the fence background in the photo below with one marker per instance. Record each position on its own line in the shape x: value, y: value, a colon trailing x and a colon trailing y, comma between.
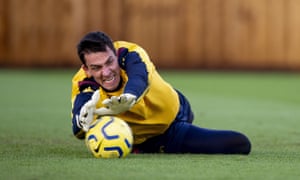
x: 217, y: 34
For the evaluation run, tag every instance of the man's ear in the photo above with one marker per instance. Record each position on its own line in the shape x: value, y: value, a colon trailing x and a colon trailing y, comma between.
x: 86, y: 70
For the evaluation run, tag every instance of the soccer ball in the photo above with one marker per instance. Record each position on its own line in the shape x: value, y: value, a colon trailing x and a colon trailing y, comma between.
x: 109, y: 137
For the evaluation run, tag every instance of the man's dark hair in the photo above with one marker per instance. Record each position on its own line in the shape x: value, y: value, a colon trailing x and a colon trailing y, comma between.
x: 94, y: 42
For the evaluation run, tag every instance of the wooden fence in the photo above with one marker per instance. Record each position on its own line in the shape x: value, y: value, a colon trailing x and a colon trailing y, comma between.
x: 234, y: 34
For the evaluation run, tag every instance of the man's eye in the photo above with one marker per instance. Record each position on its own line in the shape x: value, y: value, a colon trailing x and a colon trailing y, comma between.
x: 109, y: 62
x: 95, y: 68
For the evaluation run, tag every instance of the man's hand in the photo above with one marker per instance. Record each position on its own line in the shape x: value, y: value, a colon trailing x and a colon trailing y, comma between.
x: 86, y: 114
x: 116, y: 105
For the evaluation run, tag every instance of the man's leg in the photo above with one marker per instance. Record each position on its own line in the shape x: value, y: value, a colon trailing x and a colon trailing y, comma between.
x: 209, y: 141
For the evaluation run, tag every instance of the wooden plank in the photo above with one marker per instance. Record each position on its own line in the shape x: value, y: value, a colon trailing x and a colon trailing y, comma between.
x: 3, y: 32
x: 292, y: 34
x: 141, y: 26
x: 212, y: 33
x: 276, y: 31
x: 70, y: 26
x: 48, y: 34
x: 244, y: 34
x: 255, y: 17
x: 21, y: 31
x: 169, y: 26
x: 192, y: 34
x: 235, y: 31
x: 94, y: 15
x: 114, y: 17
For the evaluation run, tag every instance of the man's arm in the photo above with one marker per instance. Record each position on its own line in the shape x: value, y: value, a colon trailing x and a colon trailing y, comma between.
x: 136, y: 71
x: 80, y: 100
x: 87, y: 88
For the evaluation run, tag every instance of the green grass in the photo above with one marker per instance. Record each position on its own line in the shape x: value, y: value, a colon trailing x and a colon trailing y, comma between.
x: 36, y: 140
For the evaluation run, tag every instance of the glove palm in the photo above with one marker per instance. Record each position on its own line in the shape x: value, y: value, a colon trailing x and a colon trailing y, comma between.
x: 116, y: 105
x: 86, y: 114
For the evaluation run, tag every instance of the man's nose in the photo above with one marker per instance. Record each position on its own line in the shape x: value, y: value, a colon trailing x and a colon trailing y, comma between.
x: 105, y: 71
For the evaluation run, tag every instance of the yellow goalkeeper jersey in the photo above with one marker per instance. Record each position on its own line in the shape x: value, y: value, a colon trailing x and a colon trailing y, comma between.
x: 157, y: 104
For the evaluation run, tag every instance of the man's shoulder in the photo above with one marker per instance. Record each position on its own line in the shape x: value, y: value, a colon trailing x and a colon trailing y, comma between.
x: 130, y: 46
x: 79, y: 75
x: 125, y: 44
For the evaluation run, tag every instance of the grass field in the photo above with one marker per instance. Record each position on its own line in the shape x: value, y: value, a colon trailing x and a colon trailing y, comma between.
x: 36, y: 140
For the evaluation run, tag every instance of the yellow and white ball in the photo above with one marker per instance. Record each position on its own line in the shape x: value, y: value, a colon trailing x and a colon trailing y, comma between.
x: 109, y: 137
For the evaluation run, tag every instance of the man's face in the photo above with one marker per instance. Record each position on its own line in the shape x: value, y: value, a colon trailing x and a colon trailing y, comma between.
x: 104, y: 67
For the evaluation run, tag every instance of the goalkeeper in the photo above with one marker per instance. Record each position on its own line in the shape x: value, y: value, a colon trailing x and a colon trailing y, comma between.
x: 119, y: 79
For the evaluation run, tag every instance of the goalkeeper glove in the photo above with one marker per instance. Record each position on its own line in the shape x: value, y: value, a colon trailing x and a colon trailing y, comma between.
x: 116, y: 105
x: 86, y: 114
